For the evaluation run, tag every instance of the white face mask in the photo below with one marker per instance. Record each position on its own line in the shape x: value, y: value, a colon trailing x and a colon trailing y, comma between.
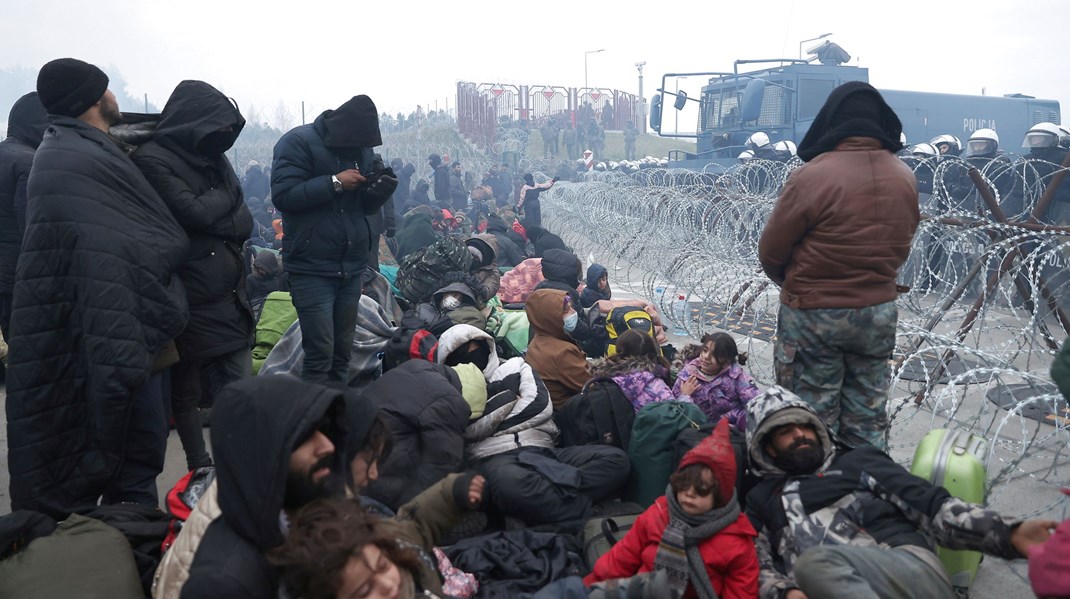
x: 451, y: 302
x: 570, y: 322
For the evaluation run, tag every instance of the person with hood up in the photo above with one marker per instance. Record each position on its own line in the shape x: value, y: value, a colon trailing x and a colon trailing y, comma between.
x: 404, y: 171
x: 597, y: 286
x: 86, y: 414
x: 487, y: 279
x: 512, y: 442
x: 561, y: 270
x: 420, y: 195
x: 425, y: 407
x: 186, y: 164
x: 26, y: 126
x: 417, y: 231
x: 552, y: 352
x: 529, y: 200
x: 280, y: 444
x: 839, y: 232
x: 509, y: 254
x: 543, y: 241
x: 835, y: 521
x: 639, y: 369
x: 441, y: 175
x: 696, y: 531
x: 256, y: 183
x: 325, y: 180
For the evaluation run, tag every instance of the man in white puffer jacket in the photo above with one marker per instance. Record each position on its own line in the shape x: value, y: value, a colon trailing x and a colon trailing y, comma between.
x: 512, y: 443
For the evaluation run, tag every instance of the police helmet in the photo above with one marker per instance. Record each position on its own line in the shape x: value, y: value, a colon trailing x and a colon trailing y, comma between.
x: 786, y: 147
x: 757, y: 141
x: 924, y: 151
x: 983, y: 142
x: 1064, y: 136
x: 1042, y: 135
x: 954, y: 146
x: 745, y: 155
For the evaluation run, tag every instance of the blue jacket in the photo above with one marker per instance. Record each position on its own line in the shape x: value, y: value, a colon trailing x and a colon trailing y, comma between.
x: 326, y: 234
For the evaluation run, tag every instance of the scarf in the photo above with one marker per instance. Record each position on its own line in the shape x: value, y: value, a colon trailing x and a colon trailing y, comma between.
x: 678, y: 552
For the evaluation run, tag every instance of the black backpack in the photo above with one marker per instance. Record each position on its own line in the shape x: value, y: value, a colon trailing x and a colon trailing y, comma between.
x: 599, y: 414
x: 421, y: 272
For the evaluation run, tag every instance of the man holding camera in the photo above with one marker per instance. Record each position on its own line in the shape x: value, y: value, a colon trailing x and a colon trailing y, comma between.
x: 325, y: 180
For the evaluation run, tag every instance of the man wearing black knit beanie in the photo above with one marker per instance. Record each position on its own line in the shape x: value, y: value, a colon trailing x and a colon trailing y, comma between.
x: 95, y: 310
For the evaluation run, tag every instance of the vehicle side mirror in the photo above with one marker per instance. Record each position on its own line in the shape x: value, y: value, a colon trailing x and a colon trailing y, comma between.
x: 681, y: 100
x: 655, y: 113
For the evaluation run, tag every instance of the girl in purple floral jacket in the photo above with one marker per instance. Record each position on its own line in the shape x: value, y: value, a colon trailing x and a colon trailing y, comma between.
x: 716, y: 382
x: 638, y: 369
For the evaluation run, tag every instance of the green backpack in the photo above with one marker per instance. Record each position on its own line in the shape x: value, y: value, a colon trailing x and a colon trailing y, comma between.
x: 652, y: 447
x: 420, y: 273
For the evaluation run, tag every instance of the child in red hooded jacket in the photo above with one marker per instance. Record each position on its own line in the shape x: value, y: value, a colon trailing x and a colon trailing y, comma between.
x: 695, y: 532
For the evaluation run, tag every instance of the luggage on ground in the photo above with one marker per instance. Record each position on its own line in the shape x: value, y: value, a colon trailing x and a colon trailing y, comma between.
x: 651, y: 449
x: 421, y: 272
x: 598, y: 414
x: 955, y: 460
x: 600, y: 534
x: 623, y: 319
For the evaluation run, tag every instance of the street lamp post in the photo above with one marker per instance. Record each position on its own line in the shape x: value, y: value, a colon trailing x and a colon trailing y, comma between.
x: 642, y: 101
x: 813, y: 39
x: 585, y: 55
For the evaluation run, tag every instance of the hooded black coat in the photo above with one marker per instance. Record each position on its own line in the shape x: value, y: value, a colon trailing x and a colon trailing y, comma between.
x: 854, y: 109
x: 256, y: 424
x: 25, y: 127
x: 205, y: 197
x: 95, y: 299
x: 256, y: 182
x: 421, y: 403
x: 327, y: 233
x: 508, y: 252
x: 544, y: 240
x: 561, y: 270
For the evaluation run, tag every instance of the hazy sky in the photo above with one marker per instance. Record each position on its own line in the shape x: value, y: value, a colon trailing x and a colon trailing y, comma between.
x: 405, y: 53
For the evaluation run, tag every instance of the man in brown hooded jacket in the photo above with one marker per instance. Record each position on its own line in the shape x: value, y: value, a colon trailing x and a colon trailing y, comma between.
x: 552, y: 353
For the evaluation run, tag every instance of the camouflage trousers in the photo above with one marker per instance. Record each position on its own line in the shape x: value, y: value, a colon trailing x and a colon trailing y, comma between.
x: 836, y: 360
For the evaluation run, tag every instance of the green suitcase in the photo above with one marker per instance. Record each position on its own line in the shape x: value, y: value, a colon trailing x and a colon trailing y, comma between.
x: 955, y: 460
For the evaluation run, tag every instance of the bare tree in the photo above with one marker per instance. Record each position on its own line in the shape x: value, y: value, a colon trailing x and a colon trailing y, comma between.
x: 284, y: 119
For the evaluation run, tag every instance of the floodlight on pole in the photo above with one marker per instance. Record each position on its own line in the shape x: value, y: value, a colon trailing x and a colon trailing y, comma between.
x: 813, y: 39
x: 585, y: 55
x: 642, y: 101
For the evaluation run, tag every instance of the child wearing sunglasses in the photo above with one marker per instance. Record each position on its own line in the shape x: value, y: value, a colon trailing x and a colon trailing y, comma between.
x: 696, y: 532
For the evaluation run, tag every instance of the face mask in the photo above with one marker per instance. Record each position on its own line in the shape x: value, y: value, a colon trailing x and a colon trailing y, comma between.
x: 570, y: 322
x: 215, y: 144
x: 451, y: 302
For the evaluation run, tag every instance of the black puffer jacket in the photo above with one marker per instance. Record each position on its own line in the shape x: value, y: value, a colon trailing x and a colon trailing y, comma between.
x: 95, y: 299
x: 204, y: 195
x: 422, y: 404
x: 327, y: 234
x: 25, y: 127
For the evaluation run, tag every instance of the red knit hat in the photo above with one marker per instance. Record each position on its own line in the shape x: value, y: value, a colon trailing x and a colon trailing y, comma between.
x: 716, y: 453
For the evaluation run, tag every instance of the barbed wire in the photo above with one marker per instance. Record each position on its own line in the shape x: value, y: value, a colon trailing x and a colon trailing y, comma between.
x: 978, y: 328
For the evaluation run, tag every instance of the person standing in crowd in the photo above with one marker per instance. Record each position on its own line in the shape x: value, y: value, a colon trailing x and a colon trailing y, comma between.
x: 404, y: 172
x: 186, y: 164
x: 570, y: 142
x: 382, y: 221
x: 441, y: 187
x: 280, y: 445
x: 325, y: 249
x: 458, y: 192
x: 834, y: 521
x: 631, y: 133
x: 26, y: 126
x: 86, y: 414
x: 529, y: 200
x: 256, y: 183
x: 834, y: 242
